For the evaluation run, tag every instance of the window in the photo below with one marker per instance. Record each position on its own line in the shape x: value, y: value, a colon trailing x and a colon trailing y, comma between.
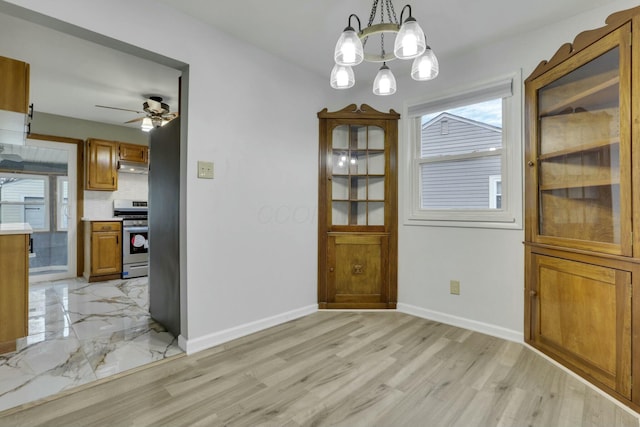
x: 25, y: 198
x: 465, y: 166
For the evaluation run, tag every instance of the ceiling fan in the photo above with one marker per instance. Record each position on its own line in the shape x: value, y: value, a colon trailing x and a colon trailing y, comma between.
x: 157, y: 113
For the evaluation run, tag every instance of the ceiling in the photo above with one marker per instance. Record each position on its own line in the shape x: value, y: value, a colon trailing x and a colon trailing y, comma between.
x: 69, y: 76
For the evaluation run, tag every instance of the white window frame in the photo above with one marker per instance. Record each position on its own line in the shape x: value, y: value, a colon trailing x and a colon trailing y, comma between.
x: 510, y: 215
x: 493, y: 190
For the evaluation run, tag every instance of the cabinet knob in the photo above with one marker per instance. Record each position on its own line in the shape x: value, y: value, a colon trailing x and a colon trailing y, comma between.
x: 530, y: 163
x: 331, y: 269
x: 533, y: 293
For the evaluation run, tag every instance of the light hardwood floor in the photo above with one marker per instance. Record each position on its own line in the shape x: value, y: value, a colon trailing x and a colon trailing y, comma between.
x: 340, y: 368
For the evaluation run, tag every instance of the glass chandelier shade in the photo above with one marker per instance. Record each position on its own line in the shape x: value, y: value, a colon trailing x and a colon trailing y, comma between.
x: 385, y: 81
x: 425, y: 67
x: 342, y: 77
x: 410, y: 42
x: 349, y: 50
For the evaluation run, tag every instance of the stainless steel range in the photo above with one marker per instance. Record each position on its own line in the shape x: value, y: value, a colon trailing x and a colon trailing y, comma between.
x: 135, y: 236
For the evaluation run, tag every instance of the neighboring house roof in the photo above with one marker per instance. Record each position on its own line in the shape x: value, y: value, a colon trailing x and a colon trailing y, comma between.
x: 450, y: 116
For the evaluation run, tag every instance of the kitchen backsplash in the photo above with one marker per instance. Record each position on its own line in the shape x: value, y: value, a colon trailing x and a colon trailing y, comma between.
x: 99, y: 204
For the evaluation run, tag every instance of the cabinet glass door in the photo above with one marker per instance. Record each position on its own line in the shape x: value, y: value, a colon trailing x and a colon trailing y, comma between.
x: 357, y: 175
x: 579, y: 155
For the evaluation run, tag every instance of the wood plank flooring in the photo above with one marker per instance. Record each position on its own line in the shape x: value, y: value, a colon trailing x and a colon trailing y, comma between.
x: 345, y: 369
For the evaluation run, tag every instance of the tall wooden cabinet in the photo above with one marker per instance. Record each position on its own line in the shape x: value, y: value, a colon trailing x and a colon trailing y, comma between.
x: 582, y: 236
x: 357, y: 217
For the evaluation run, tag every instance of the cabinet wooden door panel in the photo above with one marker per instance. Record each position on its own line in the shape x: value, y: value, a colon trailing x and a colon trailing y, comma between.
x: 106, y: 253
x: 102, y: 165
x: 14, y: 85
x: 14, y: 287
x: 358, y: 270
x: 582, y: 314
x: 133, y: 153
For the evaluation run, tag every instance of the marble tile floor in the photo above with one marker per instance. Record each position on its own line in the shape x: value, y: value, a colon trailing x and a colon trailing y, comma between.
x: 80, y: 332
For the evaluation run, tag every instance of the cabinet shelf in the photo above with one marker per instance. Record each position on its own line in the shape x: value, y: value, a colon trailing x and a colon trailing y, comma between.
x: 357, y: 175
x: 580, y: 148
x: 359, y: 200
x: 588, y: 91
x: 581, y: 183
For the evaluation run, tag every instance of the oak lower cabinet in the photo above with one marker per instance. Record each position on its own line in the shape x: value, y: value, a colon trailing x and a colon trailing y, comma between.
x: 582, y: 219
x: 103, y: 250
x: 581, y: 315
x: 357, y: 209
x: 358, y: 267
x: 14, y: 289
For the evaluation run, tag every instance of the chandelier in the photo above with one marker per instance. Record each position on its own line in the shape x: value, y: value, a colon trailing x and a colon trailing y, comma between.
x: 410, y: 43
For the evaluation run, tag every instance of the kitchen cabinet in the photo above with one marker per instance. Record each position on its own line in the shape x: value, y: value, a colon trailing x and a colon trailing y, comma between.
x: 14, y: 85
x: 14, y: 285
x: 357, y: 216
x: 103, y: 250
x: 103, y: 158
x: 133, y: 153
x: 101, y: 165
x: 582, y: 236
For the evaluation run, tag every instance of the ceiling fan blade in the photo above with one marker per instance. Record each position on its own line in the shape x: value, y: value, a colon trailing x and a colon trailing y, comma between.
x: 139, y: 119
x: 121, y: 109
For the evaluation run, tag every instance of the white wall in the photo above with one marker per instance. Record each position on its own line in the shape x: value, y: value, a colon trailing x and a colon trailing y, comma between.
x: 489, y: 263
x: 251, y: 232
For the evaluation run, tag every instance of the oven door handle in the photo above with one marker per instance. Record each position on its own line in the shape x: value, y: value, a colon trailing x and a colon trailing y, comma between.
x: 136, y: 229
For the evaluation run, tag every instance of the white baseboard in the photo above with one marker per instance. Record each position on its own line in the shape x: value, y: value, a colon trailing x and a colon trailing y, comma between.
x: 195, y: 345
x: 461, y: 322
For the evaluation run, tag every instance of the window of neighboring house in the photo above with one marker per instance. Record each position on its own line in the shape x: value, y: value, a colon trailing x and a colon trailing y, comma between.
x: 495, y: 192
x: 466, y: 161
x: 25, y: 198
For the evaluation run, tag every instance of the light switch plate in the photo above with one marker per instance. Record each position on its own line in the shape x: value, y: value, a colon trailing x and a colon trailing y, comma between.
x: 205, y: 169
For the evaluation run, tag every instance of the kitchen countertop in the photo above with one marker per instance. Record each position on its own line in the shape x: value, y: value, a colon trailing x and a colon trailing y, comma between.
x: 101, y: 219
x: 15, y: 228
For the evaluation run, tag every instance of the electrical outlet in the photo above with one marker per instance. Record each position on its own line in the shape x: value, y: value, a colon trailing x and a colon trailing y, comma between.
x: 454, y: 287
x: 205, y: 170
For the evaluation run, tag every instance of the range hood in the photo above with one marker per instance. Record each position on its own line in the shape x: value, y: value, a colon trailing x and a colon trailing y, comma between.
x: 125, y: 166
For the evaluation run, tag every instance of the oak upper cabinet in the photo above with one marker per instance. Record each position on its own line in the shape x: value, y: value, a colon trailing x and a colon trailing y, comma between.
x: 357, y: 218
x: 101, y: 165
x: 582, y: 229
x: 103, y: 250
x: 14, y: 85
x: 133, y: 153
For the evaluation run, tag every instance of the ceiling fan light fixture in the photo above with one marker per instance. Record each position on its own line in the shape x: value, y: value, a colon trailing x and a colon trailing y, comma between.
x: 146, y: 125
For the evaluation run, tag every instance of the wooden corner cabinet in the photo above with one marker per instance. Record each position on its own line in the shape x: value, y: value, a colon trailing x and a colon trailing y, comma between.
x: 582, y: 247
x: 103, y: 250
x: 357, y: 217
